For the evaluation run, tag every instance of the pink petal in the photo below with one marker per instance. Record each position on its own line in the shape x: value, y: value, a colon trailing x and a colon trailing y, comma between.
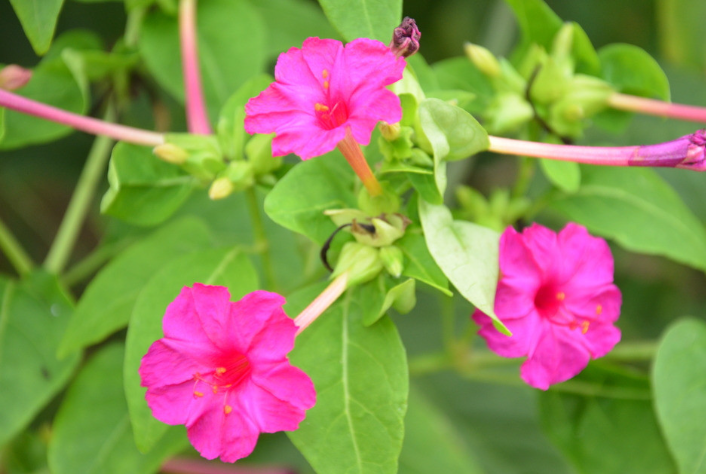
x: 517, y: 262
x: 280, y: 106
x: 601, y: 304
x: 587, y: 260
x: 167, y: 362
x: 286, y: 382
x: 173, y: 404
x: 212, y: 304
x: 182, y: 323
x: 514, y: 299
x: 306, y: 142
x: 524, y: 332
x: 251, y: 316
x: 366, y: 112
x: 292, y: 68
x: 271, y: 414
x: 600, y: 339
x: 320, y: 54
x: 240, y: 431
x: 542, y: 243
x: 366, y: 66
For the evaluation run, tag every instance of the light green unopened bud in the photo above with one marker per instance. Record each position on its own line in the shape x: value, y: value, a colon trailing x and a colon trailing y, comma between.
x: 171, y: 153
x: 259, y: 153
x: 390, y: 131
x: 405, y: 297
x: 507, y: 112
x: 220, y: 188
x: 379, y: 233
x: 393, y: 260
x: 563, y: 41
x: 387, y: 202
x: 483, y: 59
x: 240, y: 174
x: 362, y: 263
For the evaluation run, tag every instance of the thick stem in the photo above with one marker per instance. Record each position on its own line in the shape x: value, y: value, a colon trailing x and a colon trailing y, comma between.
x: 322, y: 302
x: 80, y: 202
x: 14, y: 251
x: 196, y: 116
x: 354, y: 155
x: 261, y: 242
x: 79, y: 122
x: 659, y: 108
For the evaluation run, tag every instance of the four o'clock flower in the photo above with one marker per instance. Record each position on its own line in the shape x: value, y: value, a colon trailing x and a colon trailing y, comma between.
x: 327, y: 96
x: 556, y: 295
x: 222, y: 370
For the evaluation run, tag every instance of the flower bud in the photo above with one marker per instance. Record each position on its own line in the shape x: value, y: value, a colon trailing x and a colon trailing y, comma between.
x: 362, y: 263
x: 563, y: 41
x: 259, y: 152
x: 393, y: 260
x: 220, y: 188
x: 507, y: 112
x: 240, y: 174
x: 405, y: 297
x: 405, y: 38
x: 13, y: 77
x: 390, y: 131
x: 483, y: 59
x: 171, y: 153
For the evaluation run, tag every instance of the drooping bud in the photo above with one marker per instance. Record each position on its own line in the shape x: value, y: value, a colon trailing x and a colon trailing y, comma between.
x: 220, y: 188
x: 483, y: 59
x: 171, y: 153
x: 362, y: 263
x: 13, y: 77
x: 393, y: 260
x: 390, y: 131
x: 405, y: 38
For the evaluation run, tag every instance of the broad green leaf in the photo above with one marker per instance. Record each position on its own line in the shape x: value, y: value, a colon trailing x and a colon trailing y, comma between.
x: 639, y: 210
x: 298, y: 200
x: 231, y: 43
x: 612, y: 431
x: 382, y: 293
x: 681, y: 31
x: 356, y: 425
x: 565, y: 175
x: 633, y: 71
x: 678, y: 378
x: 374, y: 19
x: 227, y: 267
x: 144, y: 190
x: 38, y: 18
x: 107, y: 303
x: 426, y: 186
x: 461, y: 74
x: 419, y: 264
x: 33, y: 316
x: 432, y: 443
x: 467, y: 254
x: 91, y: 432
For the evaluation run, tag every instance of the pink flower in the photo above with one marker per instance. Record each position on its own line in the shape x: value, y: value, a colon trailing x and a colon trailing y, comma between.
x: 557, y: 297
x: 222, y: 370
x: 323, y: 90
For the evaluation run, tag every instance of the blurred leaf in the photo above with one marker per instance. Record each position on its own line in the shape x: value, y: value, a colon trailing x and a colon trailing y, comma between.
x: 227, y: 267
x: 419, y: 263
x: 566, y: 175
x: 462, y: 74
x: 382, y: 293
x: 374, y: 19
x: 91, y: 433
x: 639, y: 210
x: 612, y: 433
x: 432, y: 442
x: 681, y: 31
x: 467, y: 254
x: 231, y: 43
x: 298, y: 200
x: 679, y: 372
x: 356, y: 425
x: 144, y: 190
x: 632, y: 71
x: 425, y: 185
x: 107, y: 303
x: 26, y: 454
x: 33, y: 316
x: 38, y: 18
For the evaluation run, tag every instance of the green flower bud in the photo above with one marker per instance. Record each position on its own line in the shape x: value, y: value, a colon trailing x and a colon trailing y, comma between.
x: 390, y: 131
x: 241, y: 174
x: 563, y: 41
x: 387, y: 202
x: 171, y: 153
x: 405, y: 297
x: 259, y: 152
x: 483, y: 59
x: 362, y: 263
x: 506, y: 113
x: 205, y: 160
x: 393, y: 260
x: 220, y: 188
x: 384, y: 233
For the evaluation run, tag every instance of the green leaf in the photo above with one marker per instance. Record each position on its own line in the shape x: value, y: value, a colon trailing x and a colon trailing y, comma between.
x: 633, y: 71
x: 382, y: 293
x: 426, y: 186
x: 461, y: 74
x: 231, y: 43
x: 374, y: 19
x: 565, y: 175
x: 38, y: 18
x: 678, y: 376
x: 432, y: 443
x: 639, y: 210
x: 612, y: 432
x: 467, y: 254
x: 33, y: 316
x: 91, y: 432
x: 298, y: 200
x: 227, y: 267
x: 419, y: 264
x: 144, y: 190
x: 356, y: 425
x: 107, y: 303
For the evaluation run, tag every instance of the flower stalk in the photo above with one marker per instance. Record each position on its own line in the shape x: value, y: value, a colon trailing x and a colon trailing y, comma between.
x: 631, y: 103
x: 14, y: 251
x: 354, y: 156
x: 322, y: 302
x: 196, y: 116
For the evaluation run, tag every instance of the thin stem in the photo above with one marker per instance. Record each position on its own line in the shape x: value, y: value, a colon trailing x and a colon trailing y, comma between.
x: 14, y: 251
x: 354, y: 156
x: 261, y: 242
x: 79, y: 122
x: 196, y: 115
x: 322, y: 302
x: 132, y: 27
x: 80, y: 202
x: 524, y: 177
x: 659, y: 108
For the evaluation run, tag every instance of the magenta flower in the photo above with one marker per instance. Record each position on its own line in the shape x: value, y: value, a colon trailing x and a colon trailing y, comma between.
x: 323, y: 90
x: 556, y: 295
x: 222, y: 370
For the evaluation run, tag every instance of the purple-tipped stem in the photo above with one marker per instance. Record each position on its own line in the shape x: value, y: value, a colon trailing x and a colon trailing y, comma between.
x: 686, y: 152
x: 196, y: 116
x: 659, y: 108
x: 79, y: 122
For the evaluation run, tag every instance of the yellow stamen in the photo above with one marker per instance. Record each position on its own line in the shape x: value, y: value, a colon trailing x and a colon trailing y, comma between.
x: 325, y: 84
x: 220, y: 371
x: 227, y: 409
x: 320, y: 107
x: 324, y: 73
x: 198, y: 394
x: 599, y: 309
x: 560, y: 296
x: 584, y: 327
x: 215, y: 389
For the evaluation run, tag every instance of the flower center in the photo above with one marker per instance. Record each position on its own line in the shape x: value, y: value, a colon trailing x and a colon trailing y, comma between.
x: 548, y: 300
x: 333, y: 113
x: 231, y: 372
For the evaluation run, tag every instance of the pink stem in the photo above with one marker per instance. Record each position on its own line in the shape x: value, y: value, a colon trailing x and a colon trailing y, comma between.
x: 685, y: 152
x: 632, y: 103
x: 195, y: 466
x: 322, y: 302
x: 79, y: 122
x: 196, y: 115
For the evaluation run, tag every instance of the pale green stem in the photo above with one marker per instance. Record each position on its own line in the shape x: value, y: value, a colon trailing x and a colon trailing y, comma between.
x: 261, y: 242
x: 14, y: 251
x: 93, y: 172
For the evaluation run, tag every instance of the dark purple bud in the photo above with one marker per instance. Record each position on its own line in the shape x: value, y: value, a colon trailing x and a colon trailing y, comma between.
x: 405, y: 38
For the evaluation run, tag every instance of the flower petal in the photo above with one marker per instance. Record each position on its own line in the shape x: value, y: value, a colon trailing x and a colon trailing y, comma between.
x: 281, y: 106
x: 524, y: 331
x: 181, y: 322
x: 514, y: 299
x: 306, y: 141
x: 252, y: 315
x: 517, y: 262
x: 600, y: 339
x: 367, y: 112
x: 542, y: 243
x: 270, y: 413
x: 587, y: 260
x: 286, y: 382
x: 170, y: 362
x: 172, y: 404
x: 366, y: 66
x: 319, y: 54
x: 212, y: 305
x: 602, y: 304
